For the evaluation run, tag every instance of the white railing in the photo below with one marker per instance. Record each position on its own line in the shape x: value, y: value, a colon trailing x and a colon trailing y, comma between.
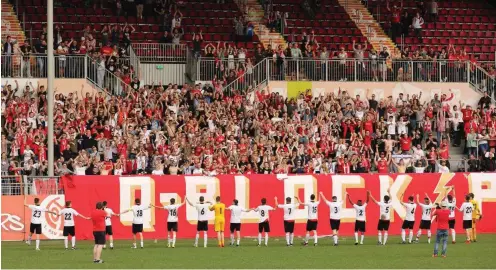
x: 251, y: 78
x: 158, y: 52
x: 480, y: 80
x: 103, y: 78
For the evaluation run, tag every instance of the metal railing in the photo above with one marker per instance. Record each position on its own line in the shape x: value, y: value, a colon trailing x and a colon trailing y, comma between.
x: 250, y: 78
x: 480, y: 80
x: 31, y: 185
x: 158, y: 52
x: 134, y: 60
x: 34, y: 65
x: 103, y: 78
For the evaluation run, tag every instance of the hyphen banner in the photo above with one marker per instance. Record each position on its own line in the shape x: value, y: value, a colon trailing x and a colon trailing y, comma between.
x: 120, y: 192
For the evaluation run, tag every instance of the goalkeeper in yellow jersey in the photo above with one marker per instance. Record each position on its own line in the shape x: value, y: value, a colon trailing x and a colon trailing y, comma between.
x: 220, y: 221
x: 476, y: 215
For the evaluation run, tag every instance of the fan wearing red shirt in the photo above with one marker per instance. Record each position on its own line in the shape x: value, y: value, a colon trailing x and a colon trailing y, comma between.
x: 442, y: 216
x: 406, y: 143
x: 98, y: 219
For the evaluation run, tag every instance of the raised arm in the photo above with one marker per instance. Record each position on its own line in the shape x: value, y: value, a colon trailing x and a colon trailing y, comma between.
x: 323, y: 197
x: 349, y: 198
x: 371, y: 196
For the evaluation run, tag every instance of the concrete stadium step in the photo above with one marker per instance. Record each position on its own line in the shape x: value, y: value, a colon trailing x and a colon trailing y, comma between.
x: 369, y: 27
x: 256, y: 17
x: 10, y: 24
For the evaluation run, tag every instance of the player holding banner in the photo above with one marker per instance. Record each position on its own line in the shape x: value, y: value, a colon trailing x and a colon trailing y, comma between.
x: 313, y: 218
x: 385, y: 216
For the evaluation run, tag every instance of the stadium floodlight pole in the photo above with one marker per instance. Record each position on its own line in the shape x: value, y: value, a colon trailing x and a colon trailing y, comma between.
x: 50, y: 85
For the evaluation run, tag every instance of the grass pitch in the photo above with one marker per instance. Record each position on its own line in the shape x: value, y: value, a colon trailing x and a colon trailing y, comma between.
x: 156, y: 255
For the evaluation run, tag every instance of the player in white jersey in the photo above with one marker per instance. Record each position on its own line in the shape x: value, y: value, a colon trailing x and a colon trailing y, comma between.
x: 451, y: 204
x: 313, y: 218
x: 467, y: 208
x: 172, y: 219
x: 108, y: 224
x: 385, y: 216
x: 335, y: 216
x: 409, y: 221
x: 289, y: 219
x: 137, y: 210
x: 263, y: 225
x: 425, y: 222
x: 68, y: 214
x: 202, y: 224
x: 360, y: 217
x: 235, y: 226
x: 35, y: 226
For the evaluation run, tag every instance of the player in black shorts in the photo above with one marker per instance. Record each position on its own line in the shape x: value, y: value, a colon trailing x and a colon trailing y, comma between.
x: 385, y: 215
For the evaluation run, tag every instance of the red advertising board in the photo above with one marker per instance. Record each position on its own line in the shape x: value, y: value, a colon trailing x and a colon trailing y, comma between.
x: 120, y: 192
x: 16, y: 218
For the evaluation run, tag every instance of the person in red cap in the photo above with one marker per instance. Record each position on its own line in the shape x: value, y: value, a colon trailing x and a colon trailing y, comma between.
x: 98, y: 218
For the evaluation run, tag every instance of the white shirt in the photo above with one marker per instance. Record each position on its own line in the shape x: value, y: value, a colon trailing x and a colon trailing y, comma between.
x: 360, y: 211
x: 68, y: 215
x: 172, y: 212
x: 202, y: 209
x: 36, y: 213
x: 158, y: 172
x: 313, y: 210
x: 138, y: 213
x: 410, y: 211
x: 451, y: 207
x: 289, y: 210
x: 236, y: 211
x: 335, y: 210
x: 108, y: 220
x: 426, y: 211
x: 417, y: 22
x: 467, y: 208
x: 264, y: 212
x: 385, y: 210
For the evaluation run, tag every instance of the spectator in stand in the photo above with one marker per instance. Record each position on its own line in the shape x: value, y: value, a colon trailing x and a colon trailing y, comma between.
x: 25, y: 51
x: 197, y: 44
x: 395, y: 19
x: 166, y: 38
x: 433, y: 10
x: 417, y: 24
x: 8, y: 51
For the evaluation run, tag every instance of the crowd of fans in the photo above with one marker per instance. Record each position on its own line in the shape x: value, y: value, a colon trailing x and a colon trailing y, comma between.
x: 191, y: 129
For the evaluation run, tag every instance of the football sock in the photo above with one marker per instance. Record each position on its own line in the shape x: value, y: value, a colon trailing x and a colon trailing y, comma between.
x: 73, y: 240
x: 111, y: 243
x: 307, y: 236
x: 474, y: 232
x: 266, y: 238
x: 37, y: 243
x: 361, y: 239
x: 315, y: 237
x: 468, y: 235
x: 356, y: 237
x: 259, y: 238
x: 174, y: 240
x: 419, y: 233
x: 453, y: 234
x: 335, y: 237
x: 232, y: 238
x: 380, y: 236
x: 205, y: 239
x: 196, y: 238
x: 66, y: 241
x: 287, y: 238
x: 237, y: 241
x: 141, y: 243
x: 291, y: 237
x: 403, y: 235
x: 410, y: 236
x: 429, y: 234
x: 385, y: 238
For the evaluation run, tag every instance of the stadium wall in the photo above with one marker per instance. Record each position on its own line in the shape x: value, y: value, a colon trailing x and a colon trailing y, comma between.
x: 461, y: 91
x: 120, y: 192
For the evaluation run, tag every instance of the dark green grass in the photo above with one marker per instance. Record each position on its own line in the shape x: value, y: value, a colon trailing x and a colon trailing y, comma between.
x: 156, y: 255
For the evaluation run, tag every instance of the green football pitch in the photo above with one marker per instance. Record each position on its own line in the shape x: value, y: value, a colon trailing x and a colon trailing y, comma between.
x: 156, y: 255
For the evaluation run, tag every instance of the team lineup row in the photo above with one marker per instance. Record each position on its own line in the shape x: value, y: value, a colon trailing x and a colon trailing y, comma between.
x: 469, y: 208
